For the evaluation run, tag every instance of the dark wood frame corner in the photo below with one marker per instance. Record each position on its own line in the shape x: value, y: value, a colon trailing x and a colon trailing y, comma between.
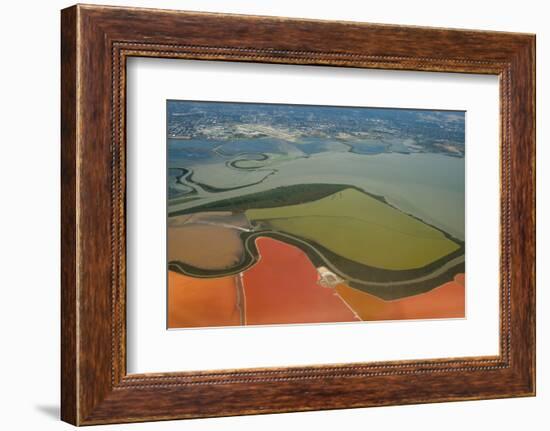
x: 95, y: 43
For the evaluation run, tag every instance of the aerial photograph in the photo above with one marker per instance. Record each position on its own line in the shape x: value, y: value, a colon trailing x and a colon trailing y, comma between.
x: 303, y: 214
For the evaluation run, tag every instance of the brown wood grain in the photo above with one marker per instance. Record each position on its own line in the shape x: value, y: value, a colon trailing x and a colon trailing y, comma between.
x: 68, y: 217
x: 96, y: 41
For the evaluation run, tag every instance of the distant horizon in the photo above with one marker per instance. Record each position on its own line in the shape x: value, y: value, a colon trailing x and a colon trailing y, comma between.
x: 237, y: 102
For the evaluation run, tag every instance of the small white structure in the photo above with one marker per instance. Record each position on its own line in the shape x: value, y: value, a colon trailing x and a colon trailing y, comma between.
x: 327, y: 278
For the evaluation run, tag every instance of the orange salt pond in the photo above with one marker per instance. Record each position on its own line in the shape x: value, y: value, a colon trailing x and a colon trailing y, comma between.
x: 443, y: 302
x: 282, y: 288
x: 198, y: 302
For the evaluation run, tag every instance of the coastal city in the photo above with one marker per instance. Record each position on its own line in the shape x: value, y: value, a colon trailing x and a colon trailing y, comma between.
x: 382, y: 130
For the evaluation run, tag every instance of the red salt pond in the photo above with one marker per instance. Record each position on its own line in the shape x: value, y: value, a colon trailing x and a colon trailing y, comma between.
x: 282, y: 288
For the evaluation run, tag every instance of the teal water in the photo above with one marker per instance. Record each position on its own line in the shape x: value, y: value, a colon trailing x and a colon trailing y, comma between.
x: 429, y: 186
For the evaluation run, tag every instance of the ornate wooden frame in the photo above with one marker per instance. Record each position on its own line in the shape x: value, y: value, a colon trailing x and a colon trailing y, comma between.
x: 95, y: 42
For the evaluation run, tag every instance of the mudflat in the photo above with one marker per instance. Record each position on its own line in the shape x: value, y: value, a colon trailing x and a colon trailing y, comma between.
x: 205, y: 246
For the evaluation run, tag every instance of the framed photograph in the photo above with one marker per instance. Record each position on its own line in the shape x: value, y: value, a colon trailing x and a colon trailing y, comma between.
x: 264, y: 214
